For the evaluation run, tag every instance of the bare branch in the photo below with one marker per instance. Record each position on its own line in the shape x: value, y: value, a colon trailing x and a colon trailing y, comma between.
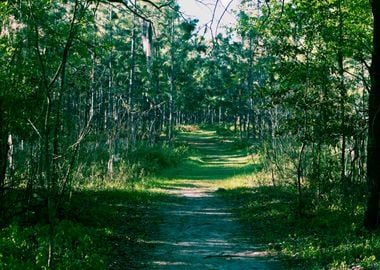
x: 213, y: 17
x: 224, y: 12
x: 34, y: 127
x: 364, y: 62
x: 67, y: 47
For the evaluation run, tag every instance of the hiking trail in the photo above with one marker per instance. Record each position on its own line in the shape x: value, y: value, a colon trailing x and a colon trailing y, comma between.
x: 198, y: 230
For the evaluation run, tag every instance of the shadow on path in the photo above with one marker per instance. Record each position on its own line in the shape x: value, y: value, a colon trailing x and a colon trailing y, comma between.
x: 198, y: 230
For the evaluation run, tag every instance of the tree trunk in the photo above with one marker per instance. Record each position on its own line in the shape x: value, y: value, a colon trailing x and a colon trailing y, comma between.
x: 172, y: 87
x: 371, y: 219
x: 299, y: 179
x: 343, y: 97
x: 131, y: 136
x: 110, y: 109
x: 3, y: 156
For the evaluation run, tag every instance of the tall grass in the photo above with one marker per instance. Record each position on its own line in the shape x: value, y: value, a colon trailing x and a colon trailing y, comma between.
x: 102, y: 223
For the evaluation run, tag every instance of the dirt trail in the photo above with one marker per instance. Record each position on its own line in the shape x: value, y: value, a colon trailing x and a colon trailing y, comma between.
x: 198, y: 230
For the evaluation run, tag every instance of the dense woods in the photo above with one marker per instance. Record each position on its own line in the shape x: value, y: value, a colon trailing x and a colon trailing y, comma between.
x: 93, y: 93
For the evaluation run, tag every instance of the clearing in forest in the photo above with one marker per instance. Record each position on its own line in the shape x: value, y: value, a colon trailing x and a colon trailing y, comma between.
x: 198, y: 230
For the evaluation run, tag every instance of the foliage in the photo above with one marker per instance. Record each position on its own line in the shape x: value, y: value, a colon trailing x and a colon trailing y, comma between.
x: 152, y: 159
x: 27, y: 247
x: 85, y: 103
x: 90, y: 219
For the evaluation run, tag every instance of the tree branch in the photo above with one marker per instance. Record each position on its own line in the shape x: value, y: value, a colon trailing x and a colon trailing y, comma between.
x: 168, y: 3
x: 213, y: 17
x: 134, y: 10
x: 224, y: 12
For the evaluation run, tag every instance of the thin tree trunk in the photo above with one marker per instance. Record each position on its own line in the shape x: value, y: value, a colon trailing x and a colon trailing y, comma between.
x: 131, y: 89
x: 111, y: 133
x: 299, y: 178
x: 53, y: 166
x: 343, y: 94
x: 3, y: 157
x: 220, y: 115
x: 172, y: 87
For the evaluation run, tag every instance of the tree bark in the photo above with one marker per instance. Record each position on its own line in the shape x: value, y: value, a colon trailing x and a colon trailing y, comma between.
x: 371, y: 219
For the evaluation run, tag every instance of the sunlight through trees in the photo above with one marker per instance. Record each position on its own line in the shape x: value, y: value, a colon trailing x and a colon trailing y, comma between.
x: 95, y: 93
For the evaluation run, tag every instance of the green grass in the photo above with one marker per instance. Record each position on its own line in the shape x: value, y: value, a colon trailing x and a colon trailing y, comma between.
x: 330, y: 238
x: 98, y: 229
x: 214, y: 160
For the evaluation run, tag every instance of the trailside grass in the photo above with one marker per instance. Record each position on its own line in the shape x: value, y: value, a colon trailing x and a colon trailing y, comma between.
x: 97, y: 229
x: 328, y: 238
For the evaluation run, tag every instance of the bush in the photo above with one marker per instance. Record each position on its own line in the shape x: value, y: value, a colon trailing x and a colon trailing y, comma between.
x: 152, y: 159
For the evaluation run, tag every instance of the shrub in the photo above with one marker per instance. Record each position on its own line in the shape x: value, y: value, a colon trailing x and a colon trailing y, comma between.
x: 152, y: 159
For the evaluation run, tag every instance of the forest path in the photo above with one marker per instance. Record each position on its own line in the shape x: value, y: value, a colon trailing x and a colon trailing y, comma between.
x: 198, y: 230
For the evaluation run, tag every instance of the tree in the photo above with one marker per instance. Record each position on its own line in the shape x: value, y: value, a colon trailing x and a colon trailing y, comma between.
x: 371, y: 220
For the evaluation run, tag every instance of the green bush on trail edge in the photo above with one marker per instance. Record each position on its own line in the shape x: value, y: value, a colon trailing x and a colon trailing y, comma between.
x: 152, y: 159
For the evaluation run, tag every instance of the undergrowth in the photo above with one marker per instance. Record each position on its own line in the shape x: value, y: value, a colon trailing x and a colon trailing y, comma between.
x: 96, y: 229
x: 152, y: 159
x: 104, y: 222
x: 331, y: 237
x: 131, y: 168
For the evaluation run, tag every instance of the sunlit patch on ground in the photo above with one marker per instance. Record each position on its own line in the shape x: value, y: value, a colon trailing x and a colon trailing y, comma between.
x: 198, y: 230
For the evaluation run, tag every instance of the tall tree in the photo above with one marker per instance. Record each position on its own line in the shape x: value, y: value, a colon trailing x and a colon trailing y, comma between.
x: 372, y: 215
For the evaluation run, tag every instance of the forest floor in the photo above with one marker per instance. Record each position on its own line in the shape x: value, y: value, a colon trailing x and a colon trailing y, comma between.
x: 218, y: 210
x: 197, y: 229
